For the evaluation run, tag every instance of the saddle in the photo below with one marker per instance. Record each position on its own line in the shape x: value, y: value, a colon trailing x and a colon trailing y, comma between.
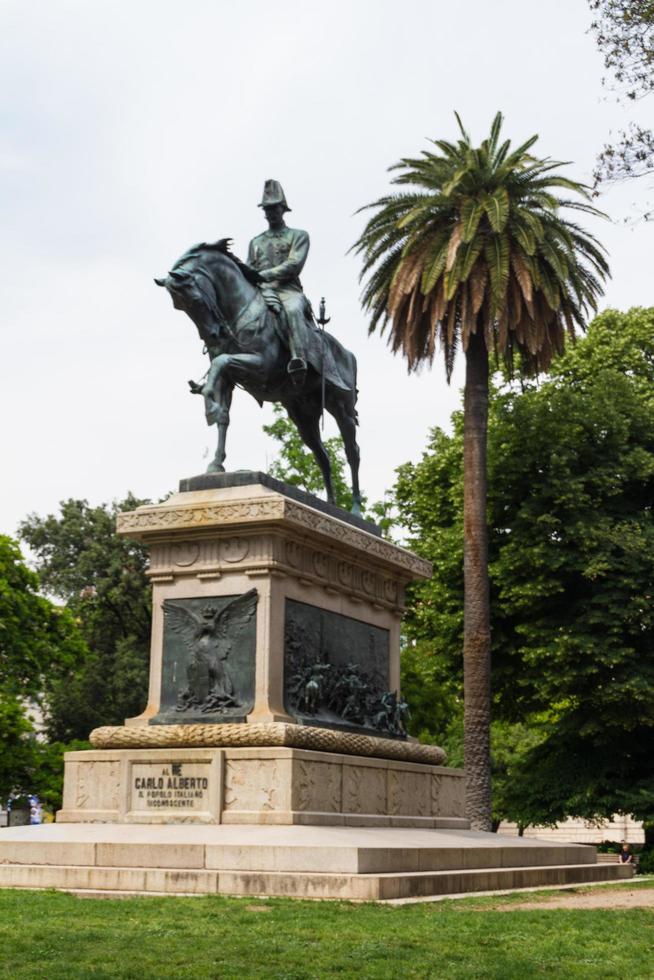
x: 319, y: 344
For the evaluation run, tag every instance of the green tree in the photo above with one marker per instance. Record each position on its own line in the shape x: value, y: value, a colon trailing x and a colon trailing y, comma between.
x: 576, y: 594
x: 433, y: 694
x: 571, y: 486
x: 38, y: 642
x: 102, y: 580
x: 17, y: 756
x: 624, y: 31
x: 479, y: 255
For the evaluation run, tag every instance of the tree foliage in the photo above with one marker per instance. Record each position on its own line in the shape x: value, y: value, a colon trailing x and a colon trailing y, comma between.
x: 102, y: 580
x: 571, y: 490
x: 38, y: 642
x: 36, y: 638
x: 624, y: 30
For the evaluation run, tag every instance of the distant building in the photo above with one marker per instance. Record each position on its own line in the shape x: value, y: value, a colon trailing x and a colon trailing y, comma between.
x: 35, y: 716
x: 582, y: 832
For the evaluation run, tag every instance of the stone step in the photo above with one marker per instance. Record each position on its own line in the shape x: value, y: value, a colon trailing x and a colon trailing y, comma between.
x: 307, y: 853
x: 94, y: 877
x: 382, y: 887
x: 96, y: 880
x: 365, y: 863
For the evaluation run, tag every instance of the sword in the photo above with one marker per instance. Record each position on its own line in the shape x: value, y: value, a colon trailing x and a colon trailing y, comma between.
x: 322, y: 321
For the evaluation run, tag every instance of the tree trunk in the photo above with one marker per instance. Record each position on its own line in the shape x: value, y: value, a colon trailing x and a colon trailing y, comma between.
x: 476, y: 606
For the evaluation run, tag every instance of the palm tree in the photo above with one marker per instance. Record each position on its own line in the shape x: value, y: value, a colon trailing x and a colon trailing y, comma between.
x: 477, y: 253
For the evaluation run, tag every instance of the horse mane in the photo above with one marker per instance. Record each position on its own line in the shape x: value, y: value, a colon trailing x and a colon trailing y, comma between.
x: 247, y: 271
x: 222, y: 246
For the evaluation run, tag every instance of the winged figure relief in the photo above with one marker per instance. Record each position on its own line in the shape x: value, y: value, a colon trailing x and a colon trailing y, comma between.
x: 210, y: 636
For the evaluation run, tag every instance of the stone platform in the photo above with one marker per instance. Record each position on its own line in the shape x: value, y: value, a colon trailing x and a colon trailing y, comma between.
x: 272, y: 756
x: 266, y: 785
x: 348, y: 863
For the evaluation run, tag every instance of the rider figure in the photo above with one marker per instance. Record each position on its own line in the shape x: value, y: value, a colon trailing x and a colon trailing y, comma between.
x: 278, y: 255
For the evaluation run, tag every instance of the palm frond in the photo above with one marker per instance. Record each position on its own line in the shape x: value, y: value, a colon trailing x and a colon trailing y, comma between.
x: 475, y: 241
x: 497, y: 207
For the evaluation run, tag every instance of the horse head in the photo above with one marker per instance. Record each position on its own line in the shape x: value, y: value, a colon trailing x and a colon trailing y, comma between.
x: 208, y: 284
x: 193, y: 285
x: 182, y: 289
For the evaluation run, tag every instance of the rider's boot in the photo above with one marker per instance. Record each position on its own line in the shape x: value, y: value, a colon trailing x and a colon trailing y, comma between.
x: 297, y: 366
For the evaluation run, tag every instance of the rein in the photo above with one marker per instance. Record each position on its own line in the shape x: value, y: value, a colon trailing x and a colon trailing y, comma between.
x: 240, y: 322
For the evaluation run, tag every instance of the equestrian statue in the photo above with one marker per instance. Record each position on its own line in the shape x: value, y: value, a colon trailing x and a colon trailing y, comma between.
x: 260, y: 333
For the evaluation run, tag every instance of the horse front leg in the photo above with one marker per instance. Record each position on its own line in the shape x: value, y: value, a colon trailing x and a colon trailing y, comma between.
x: 209, y: 389
x: 222, y: 404
x: 217, y: 394
x: 225, y: 371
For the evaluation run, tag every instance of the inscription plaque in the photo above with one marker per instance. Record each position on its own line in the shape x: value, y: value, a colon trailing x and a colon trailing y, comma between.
x: 171, y: 787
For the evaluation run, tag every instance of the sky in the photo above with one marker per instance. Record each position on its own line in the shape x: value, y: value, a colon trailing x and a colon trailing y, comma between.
x: 131, y: 129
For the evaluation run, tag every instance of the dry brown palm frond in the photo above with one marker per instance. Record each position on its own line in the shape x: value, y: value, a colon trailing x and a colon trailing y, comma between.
x: 520, y: 327
x: 414, y: 304
x: 490, y: 333
x: 503, y: 328
x: 428, y: 345
x: 397, y: 323
x: 531, y: 333
x: 522, y: 275
x: 410, y: 333
x: 451, y: 321
x: 478, y: 279
x: 403, y: 281
x: 515, y: 298
x: 543, y: 358
x: 470, y: 325
x: 441, y: 302
x: 464, y: 296
x: 453, y: 247
x: 433, y: 322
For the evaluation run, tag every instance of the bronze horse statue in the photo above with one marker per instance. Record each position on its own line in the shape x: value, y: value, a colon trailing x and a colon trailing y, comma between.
x: 246, y: 347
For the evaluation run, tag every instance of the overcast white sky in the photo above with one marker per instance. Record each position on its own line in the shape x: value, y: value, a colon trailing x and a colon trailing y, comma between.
x: 132, y: 129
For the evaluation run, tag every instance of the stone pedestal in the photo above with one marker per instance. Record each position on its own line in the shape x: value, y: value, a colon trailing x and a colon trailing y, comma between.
x: 338, y: 585
x: 274, y: 660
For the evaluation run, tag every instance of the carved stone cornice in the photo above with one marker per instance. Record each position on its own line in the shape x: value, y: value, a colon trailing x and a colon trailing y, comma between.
x: 350, y: 536
x: 202, y: 516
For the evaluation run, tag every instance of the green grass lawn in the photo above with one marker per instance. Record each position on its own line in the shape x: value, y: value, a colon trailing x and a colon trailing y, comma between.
x: 53, y: 935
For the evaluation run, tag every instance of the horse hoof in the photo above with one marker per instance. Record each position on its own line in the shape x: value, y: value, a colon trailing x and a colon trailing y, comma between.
x: 356, y: 508
x: 215, y: 467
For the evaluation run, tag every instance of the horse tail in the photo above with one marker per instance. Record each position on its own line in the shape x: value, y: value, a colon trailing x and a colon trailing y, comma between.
x: 355, y: 396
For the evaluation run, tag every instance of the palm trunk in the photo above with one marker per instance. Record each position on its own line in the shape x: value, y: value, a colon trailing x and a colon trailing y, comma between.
x: 476, y: 625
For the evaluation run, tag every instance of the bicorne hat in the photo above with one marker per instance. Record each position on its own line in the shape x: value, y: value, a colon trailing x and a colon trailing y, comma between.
x: 273, y: 194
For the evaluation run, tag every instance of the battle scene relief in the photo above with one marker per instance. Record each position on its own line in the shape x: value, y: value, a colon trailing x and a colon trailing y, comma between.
x: 336, y: 672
